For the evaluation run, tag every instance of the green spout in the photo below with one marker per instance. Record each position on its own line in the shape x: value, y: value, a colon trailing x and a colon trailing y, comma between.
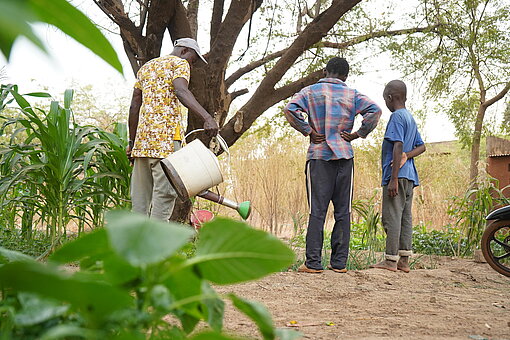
x: 244, y: 209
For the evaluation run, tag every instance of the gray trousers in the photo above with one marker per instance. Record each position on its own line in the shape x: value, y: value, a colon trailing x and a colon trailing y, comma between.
x: 151, y: 191
x: 397, y: 220
x: 329, y: 181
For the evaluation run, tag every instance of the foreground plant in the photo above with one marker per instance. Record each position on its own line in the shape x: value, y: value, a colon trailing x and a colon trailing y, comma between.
x: 132, y: 275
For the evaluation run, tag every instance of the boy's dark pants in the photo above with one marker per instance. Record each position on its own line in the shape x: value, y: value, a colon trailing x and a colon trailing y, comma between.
x: 397, y: 220
x: 329, y: 181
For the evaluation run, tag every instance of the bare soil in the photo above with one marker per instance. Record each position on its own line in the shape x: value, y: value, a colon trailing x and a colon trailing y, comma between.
x: 458, y: 299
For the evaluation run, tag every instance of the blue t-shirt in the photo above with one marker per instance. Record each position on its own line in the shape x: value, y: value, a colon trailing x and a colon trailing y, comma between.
x: 401, y: 128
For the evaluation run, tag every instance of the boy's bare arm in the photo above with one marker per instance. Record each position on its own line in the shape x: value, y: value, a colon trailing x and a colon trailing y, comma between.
x: 411, y: 154
x: 397, y: 157
x: 416, y: 151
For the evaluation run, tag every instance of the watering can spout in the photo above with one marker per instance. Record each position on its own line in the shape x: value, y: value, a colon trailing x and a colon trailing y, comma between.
x: 243, y: 208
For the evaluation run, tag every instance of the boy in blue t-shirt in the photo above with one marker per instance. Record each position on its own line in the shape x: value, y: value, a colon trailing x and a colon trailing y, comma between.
x: 402, y: 142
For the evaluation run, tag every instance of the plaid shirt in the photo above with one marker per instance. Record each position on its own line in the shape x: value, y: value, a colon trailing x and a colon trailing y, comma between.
x: 331, y: 107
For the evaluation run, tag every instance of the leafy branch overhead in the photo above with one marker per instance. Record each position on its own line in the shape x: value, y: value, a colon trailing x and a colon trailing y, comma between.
x: 279, y: 59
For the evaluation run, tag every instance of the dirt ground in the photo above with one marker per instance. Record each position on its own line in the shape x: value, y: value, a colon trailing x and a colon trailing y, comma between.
x: 458, y: 299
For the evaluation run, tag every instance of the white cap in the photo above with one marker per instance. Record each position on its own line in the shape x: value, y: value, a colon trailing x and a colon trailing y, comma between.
x: 190, y: 43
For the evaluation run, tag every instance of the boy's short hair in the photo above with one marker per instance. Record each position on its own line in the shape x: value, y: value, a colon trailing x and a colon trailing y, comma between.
x: 338, y: 66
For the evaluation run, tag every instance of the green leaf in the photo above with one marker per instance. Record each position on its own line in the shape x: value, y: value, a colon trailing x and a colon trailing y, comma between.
x: 117, y: 271
x: 74, y: 23
x: 38, y: 94
x: 215, y: 307
x: 161, y: 298
x: 15, y: 16
x: 66, y: 331
x: 7, y: 256
x: 87, y: 245
x: 143, y: 241
x: 287, y: 334
x: 95, y: 299
x: 229, y: 251
x: 212, y: 336
x: 36, y: 309
x: 258, y: 313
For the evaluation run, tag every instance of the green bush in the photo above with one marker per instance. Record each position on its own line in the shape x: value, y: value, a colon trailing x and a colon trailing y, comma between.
x: 447, y: 242
x: 131, y: 275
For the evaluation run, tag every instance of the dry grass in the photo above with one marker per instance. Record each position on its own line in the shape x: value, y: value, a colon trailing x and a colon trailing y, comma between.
x: 270, y: 173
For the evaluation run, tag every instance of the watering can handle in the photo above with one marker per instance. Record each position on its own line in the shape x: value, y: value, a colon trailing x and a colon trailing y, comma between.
x: 218, y: 137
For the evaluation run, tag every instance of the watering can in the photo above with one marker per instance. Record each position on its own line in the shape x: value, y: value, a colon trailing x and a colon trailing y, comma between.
x: 194, y: 169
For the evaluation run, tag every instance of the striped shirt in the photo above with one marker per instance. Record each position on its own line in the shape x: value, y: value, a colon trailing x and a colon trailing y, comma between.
x: 331, y: 107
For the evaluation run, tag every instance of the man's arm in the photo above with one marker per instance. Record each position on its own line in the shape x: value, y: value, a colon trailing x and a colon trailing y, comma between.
x: 371, y: 113
x: 187, y: 99
x: 134, y: 114
x: 294, y: 115
x: 397, y: 156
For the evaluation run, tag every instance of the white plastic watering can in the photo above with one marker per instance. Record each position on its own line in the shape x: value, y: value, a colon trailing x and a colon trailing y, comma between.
x: 194, y: 169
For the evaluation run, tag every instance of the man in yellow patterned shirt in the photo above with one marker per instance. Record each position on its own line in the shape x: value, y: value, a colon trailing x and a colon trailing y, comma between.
x: 155, y: 125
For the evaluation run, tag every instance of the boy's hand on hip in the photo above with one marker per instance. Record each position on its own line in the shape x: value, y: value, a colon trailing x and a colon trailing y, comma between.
x: 393, y: 188
x: 349, y: 136
x: 316, y: 137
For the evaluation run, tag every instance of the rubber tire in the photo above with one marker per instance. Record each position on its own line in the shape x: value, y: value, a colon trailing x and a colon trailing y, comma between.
x: 487, y: 236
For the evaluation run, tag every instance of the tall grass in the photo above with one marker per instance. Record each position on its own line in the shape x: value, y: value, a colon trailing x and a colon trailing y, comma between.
x: 270, y: 173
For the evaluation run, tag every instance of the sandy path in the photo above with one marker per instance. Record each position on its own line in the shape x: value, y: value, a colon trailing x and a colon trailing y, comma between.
x: 460, y: 299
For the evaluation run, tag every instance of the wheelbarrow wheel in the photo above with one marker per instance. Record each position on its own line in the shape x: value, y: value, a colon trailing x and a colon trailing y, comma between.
x: 496, y: 246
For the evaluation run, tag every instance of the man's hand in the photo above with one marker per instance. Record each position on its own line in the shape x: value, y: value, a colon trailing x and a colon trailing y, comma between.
x: 211, y: 127
x: 393, y: 187
x: 349, y: 136
x: 129, y: 148
x: 317, y: 138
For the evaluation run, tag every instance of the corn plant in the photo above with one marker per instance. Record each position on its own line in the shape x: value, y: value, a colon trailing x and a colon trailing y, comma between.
x: 54, y: 171
x: 132, y: 274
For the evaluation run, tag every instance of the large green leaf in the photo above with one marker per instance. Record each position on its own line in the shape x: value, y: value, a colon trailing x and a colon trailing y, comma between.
x: 95, y: 299
x: 36, y: 309
x: 7, y: 255
x: 61, y: 14
x: 229, y: 251
x: 15, y: 16
x: 258, y: 313
x: 215, y: 307
x: 87, y: 245
x: 143, y: 241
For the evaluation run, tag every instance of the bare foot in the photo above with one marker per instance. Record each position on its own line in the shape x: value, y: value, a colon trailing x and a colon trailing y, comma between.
x: 403, y: 264
x: 386, y: 264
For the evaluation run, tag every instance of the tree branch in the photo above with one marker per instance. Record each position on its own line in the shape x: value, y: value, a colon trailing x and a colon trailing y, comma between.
x: 237, y: 15
x: 257, y: 63
x: 312, y: 34
x: 379, y: 34
x: 251, y: 66
x: 498, y: 96
x: 217, y: 17
x: 192, y: 14
x: 235, y: 94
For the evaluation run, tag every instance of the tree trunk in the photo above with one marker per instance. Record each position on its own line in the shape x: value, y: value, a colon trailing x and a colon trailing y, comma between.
x: 475, y: 147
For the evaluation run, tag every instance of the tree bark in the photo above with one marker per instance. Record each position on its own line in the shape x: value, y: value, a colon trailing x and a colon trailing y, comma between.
x: 477, y: 133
